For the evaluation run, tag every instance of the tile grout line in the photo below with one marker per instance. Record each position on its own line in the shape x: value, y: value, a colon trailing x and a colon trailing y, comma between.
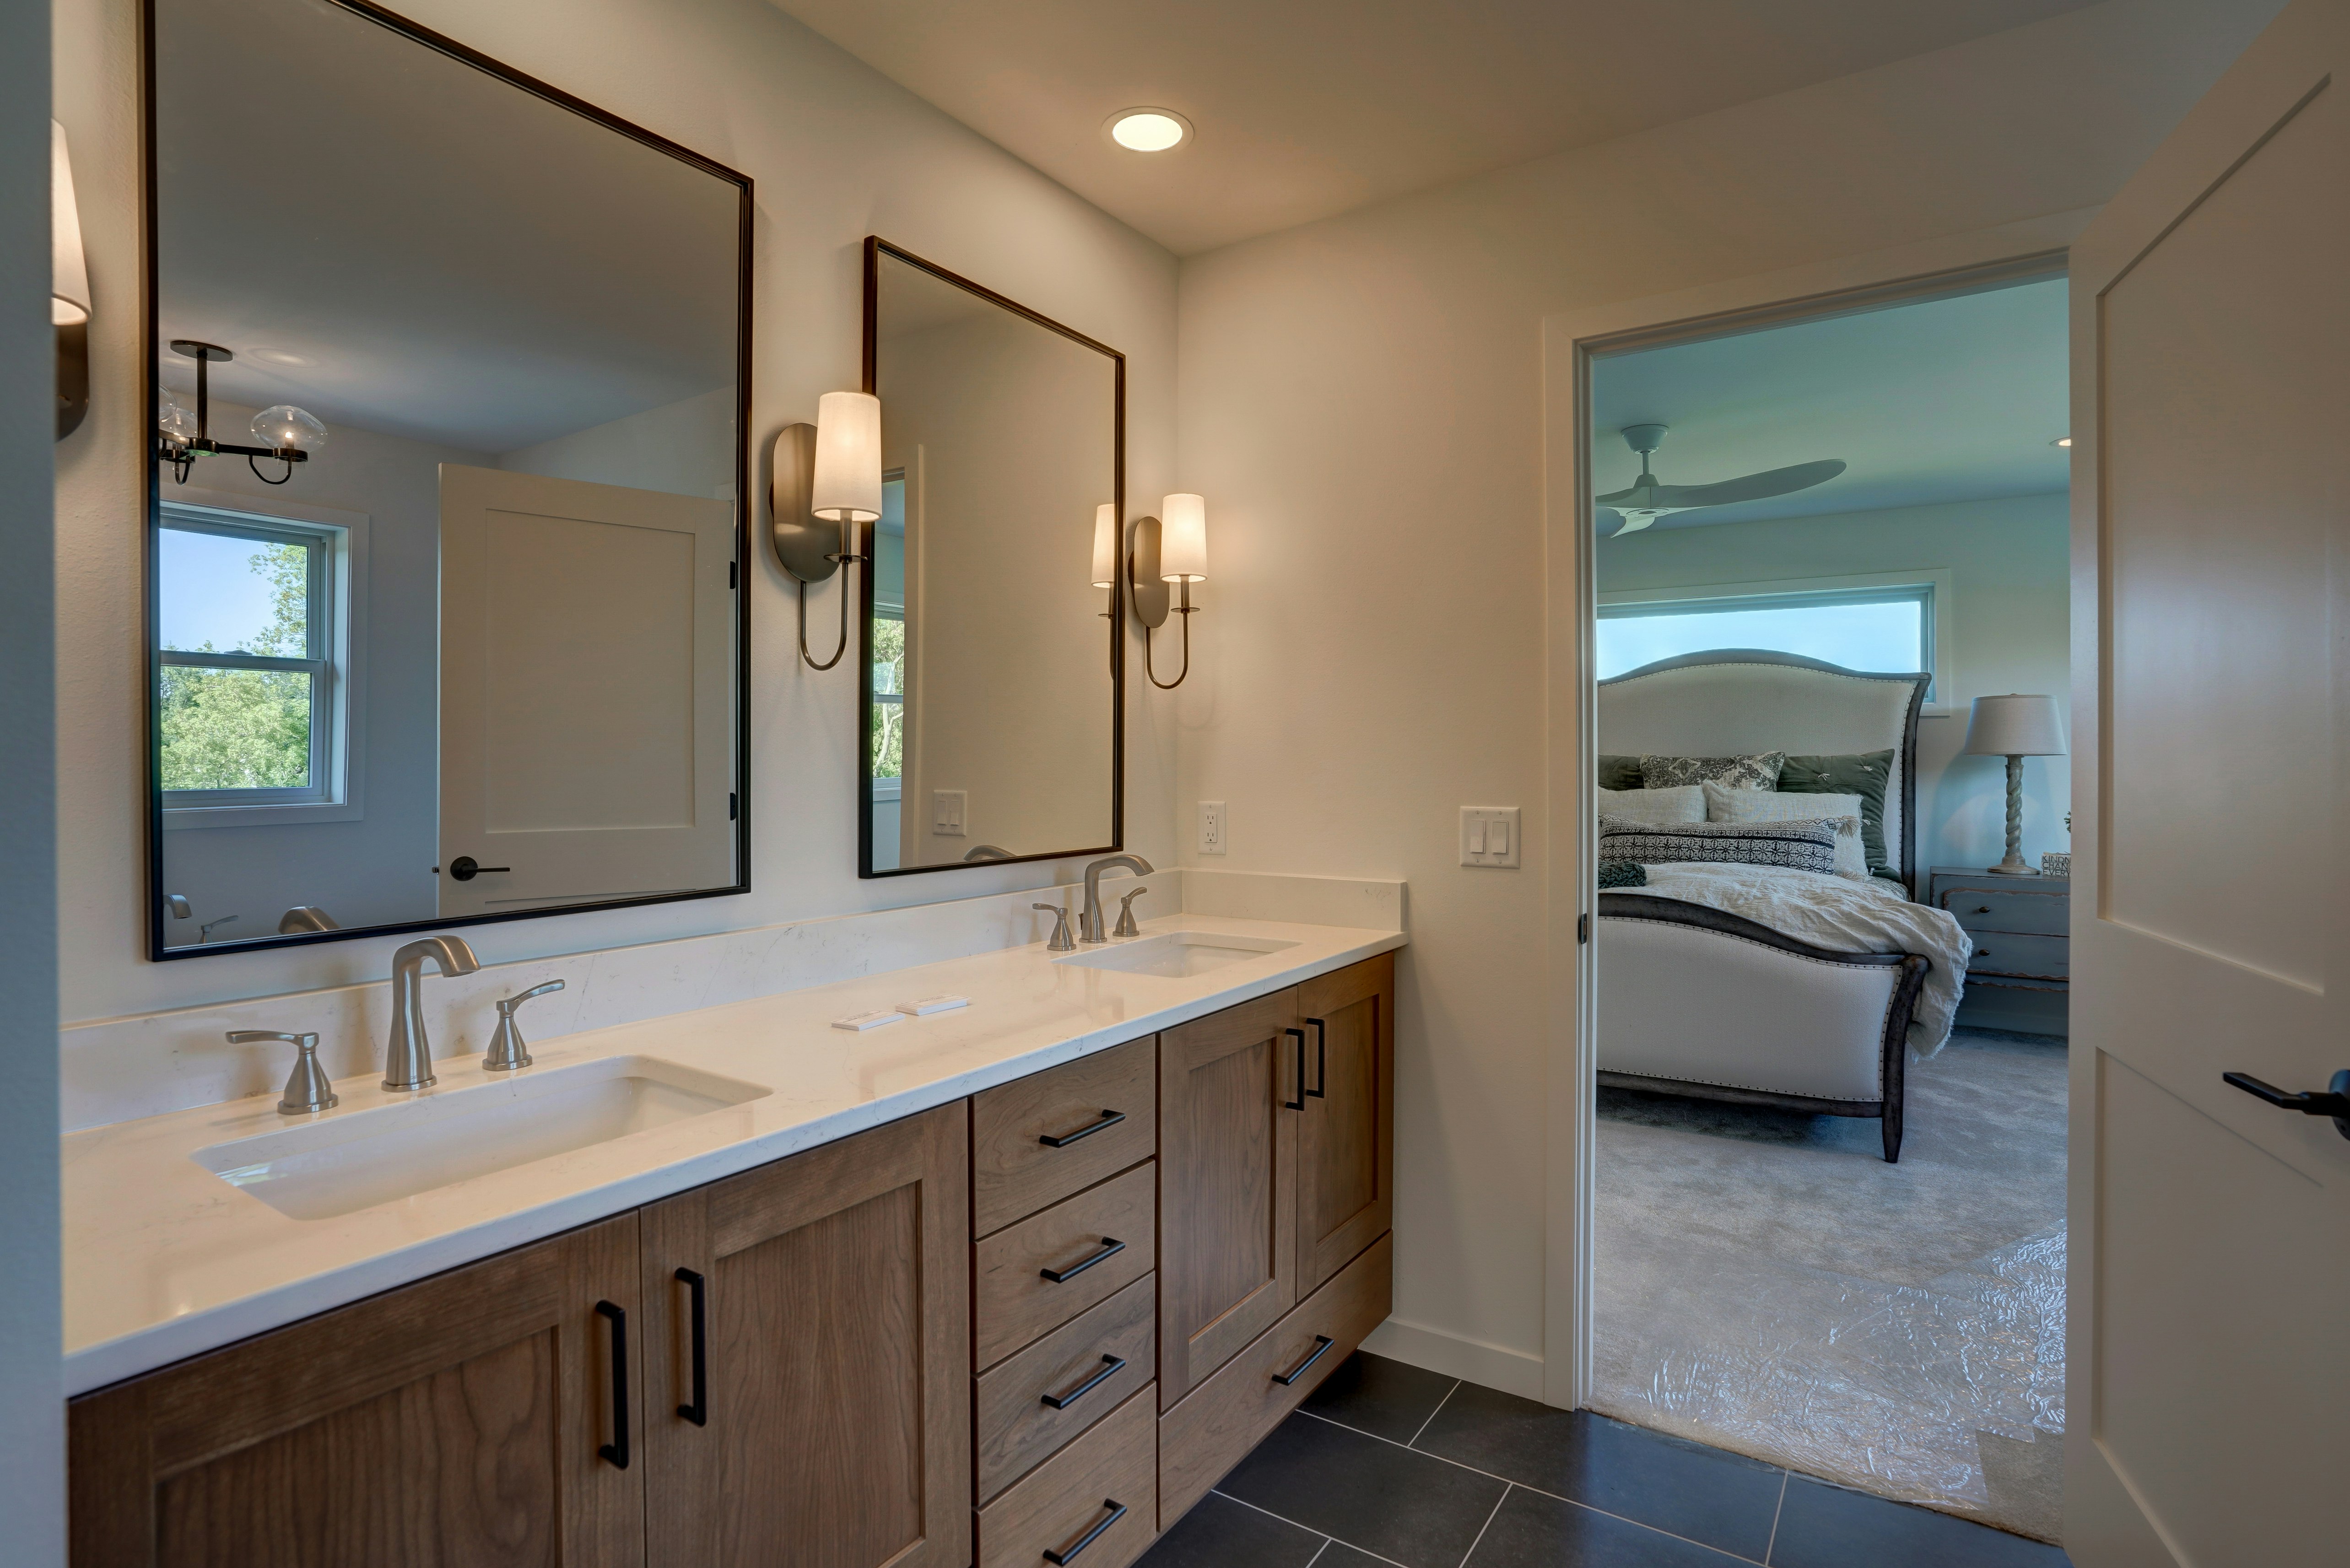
x: 1449, y: 1393
x: 1483, y: 1528
x: 1317, y: 1551
x: 1770, y: 1545
x: 1309, y: 1530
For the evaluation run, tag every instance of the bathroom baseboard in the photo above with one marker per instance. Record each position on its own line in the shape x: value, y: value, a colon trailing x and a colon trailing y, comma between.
x: 1456, y: 1355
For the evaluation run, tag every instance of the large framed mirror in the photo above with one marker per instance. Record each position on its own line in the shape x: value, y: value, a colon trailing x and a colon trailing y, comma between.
x: 994, y: 673
x: 450, y: 377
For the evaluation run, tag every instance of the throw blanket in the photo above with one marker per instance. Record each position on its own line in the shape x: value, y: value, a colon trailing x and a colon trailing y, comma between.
x: 1842, y: 915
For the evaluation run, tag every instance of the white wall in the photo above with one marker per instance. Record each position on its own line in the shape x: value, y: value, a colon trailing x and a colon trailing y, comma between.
x: 32, y: 1417
x: 836, y: 151
x: 2004, y: 631
x: 1361, y: 403
x: 686, y: 448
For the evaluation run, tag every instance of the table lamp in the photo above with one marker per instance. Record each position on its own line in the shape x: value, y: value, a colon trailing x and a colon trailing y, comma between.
x: 2015, y: 727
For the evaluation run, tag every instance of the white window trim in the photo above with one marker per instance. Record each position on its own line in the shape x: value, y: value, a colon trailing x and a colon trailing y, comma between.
x: 347, y: 750
x: 1941, y: 614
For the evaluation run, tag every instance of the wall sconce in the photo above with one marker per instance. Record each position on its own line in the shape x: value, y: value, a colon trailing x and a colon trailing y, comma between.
x: 1169, y: 550
x: 180, y: 437
x: 830, y: 470
x: 69, y: 289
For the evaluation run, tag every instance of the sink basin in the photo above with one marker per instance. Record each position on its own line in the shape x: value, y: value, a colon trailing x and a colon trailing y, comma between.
x: 341, y: 1163
x: 1178, y: 954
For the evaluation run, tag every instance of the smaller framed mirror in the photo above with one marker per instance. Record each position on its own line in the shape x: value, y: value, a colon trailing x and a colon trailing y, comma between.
x: 993, y: 670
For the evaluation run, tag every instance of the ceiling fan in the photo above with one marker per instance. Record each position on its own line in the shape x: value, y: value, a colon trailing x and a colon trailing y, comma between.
x: 1647, y: 500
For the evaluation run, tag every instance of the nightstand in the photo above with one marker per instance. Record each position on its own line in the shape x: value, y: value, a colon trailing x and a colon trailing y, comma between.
x: 2021, y: 926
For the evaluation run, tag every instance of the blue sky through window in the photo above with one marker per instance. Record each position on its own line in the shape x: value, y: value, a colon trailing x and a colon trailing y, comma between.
x: 211, y: 592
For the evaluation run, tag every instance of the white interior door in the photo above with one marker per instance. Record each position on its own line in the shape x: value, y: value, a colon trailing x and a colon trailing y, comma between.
x: 2209, y: 1388
x: 587, y: 691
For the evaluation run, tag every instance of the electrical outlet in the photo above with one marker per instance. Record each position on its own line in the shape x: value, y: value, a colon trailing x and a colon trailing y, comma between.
x: 948, y: 808
x: 1489, y: 835
x: 1212, y: 827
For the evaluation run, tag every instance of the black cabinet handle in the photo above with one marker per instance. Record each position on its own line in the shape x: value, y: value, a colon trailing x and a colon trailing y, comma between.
x: 1322, y: 1343
x: 698, y: 1412
x: 1320, y: 1090
x: 2334, y: 1100
x: 1069, y: 1553
x: 616, y: 1450
x: 1111, y: 1366
x: 1299, y: 1103
x: 465, y: 869
x: 1110, y: 1118
x: 1110, y: 1248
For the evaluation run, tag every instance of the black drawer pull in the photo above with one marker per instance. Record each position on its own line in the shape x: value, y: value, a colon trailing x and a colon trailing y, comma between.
x: 1111, y: 1366
x: 1110, y: 1118
x: 1320, y: 1090
x: 1299, y: 1103
x: 1322, y: 1343
x: 1110, y: 1248
x: 1982, y: 909
x: 697, y: 1412
x: 1069, y: 1553
x: 616, y: 1450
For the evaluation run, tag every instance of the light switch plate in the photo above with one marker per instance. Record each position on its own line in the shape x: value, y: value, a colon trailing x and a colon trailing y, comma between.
x: 1488, y: 836
x: 948, y: 808
x: 1212, y: 827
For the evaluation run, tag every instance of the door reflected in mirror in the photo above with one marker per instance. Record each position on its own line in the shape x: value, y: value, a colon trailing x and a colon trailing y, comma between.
x: 993, y: 668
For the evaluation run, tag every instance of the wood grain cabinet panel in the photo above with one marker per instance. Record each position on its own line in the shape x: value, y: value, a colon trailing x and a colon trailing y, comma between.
x: 453, y: 1423
x: 1015, y: 1418
x: 1017, y: 1299
x: 836, y: 1422
x: 1114, y: 1466
x: 1013, y: 1172
x: 1345, y: 1135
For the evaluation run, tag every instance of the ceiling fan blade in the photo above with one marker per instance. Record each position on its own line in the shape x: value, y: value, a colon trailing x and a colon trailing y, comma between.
x: 1750, y: 487
x: 1618, y: 498
x: 1631, y: 523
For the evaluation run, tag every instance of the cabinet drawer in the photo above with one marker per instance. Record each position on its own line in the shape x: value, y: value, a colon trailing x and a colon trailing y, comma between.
x: 2047, y: 914
x: 1072, y: 1493
x: 1015, y: 1300
x: 1224, y: 1418
x: 2024, y: 957
x: 1017, y: 1428
x: 1013, y: 1172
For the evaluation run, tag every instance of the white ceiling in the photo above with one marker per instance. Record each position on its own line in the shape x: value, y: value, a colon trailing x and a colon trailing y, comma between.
x: 1306, y: 107
x: 1946, y: 399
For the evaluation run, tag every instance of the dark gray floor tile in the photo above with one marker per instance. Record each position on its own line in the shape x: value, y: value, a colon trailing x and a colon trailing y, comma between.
x: 1723, y: 1500
x: 1390, y: 1399
x: 1342, y: 1555
x: 1404, y: 1506
x: 1824, y: 1526
x: 1536, y: 1532
x: 1220, y: 1533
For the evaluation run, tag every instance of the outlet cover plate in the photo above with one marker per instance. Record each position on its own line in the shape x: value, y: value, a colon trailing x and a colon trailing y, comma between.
x: 1212, y: 827
x: 1488, y: 836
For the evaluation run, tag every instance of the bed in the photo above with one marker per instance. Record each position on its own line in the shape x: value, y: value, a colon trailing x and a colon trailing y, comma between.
x: 1761, y: 985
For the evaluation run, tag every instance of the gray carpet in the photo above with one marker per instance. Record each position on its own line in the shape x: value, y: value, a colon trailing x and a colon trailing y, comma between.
x: 1767, y: 1283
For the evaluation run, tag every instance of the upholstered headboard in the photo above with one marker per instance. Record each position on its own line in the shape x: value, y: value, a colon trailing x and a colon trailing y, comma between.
x: 1736, y: 701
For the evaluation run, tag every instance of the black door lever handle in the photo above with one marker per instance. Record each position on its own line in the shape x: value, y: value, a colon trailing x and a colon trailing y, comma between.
x: 2334, y: 1100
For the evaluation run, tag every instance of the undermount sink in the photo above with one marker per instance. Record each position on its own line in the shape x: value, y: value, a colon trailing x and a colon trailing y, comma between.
x: 1178, y: 954
x: 339, y: 1164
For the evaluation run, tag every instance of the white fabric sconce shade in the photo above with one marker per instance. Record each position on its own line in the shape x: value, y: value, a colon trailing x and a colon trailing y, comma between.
x: 1105, y: 545
x: 1183, y: 539
x: 847, y: 487
x: 68, y: 270
x: 2015, y: 726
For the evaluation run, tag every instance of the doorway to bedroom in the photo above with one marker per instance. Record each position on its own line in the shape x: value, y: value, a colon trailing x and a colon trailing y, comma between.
x: 1830, y: 664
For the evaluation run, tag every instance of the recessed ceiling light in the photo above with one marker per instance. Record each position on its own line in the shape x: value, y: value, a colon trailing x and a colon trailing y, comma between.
x: 2061, y: 440
x: 1149, y: 130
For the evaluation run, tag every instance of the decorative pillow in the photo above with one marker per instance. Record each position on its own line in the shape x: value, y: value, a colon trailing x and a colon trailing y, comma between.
x: 1806, y: 845
x: 1622, y: 874
x: 1866, y: 775
x: 1619, y: 772
x: 1686, y: 804
x: 1738, y: 773
x: 1771, y: 805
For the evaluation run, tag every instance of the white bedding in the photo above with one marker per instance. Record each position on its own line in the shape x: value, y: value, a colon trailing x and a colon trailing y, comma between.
x: 1840, y: 915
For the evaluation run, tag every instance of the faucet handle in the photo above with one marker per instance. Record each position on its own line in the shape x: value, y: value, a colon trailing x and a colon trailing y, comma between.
x: 308, y: 1087
x: 1125, y: 925
x: 507, y: 1051
x: 1060, y: 942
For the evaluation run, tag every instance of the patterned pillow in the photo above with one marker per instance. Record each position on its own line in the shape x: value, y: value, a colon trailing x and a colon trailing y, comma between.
x: 1774, y: 805
x: 1865, y: 774
x: 1801, y: 845
x: 1686, y: 804
x: 1622, y: 874
x: 1737, y: 773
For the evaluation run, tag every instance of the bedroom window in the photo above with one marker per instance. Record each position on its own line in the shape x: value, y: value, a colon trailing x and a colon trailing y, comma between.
x: 1874, y: 626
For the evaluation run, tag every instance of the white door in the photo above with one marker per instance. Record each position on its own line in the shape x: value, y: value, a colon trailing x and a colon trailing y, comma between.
x: 2208, y: 1359
x: 587, y: 691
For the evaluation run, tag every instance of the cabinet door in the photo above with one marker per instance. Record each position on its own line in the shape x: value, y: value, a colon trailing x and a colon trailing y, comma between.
x: 1228, y: 1089
x: 454, y: 1423
x: 1345, y: 1135
x: 835, y: 1426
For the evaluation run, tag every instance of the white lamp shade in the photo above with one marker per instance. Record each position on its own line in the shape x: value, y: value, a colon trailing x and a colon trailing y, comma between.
x: 2015, y: 726
x: 1105, y: 545
x: 1183, y: 539
x: 69, y: 271
x: 847, y: 487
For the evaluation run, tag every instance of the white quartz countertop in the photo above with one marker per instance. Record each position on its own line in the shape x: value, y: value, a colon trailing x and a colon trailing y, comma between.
x: 165, y: 1260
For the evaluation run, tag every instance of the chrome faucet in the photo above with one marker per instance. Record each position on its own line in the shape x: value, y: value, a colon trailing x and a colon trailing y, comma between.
x: 407, y: 1057
x: 1090, y: 924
